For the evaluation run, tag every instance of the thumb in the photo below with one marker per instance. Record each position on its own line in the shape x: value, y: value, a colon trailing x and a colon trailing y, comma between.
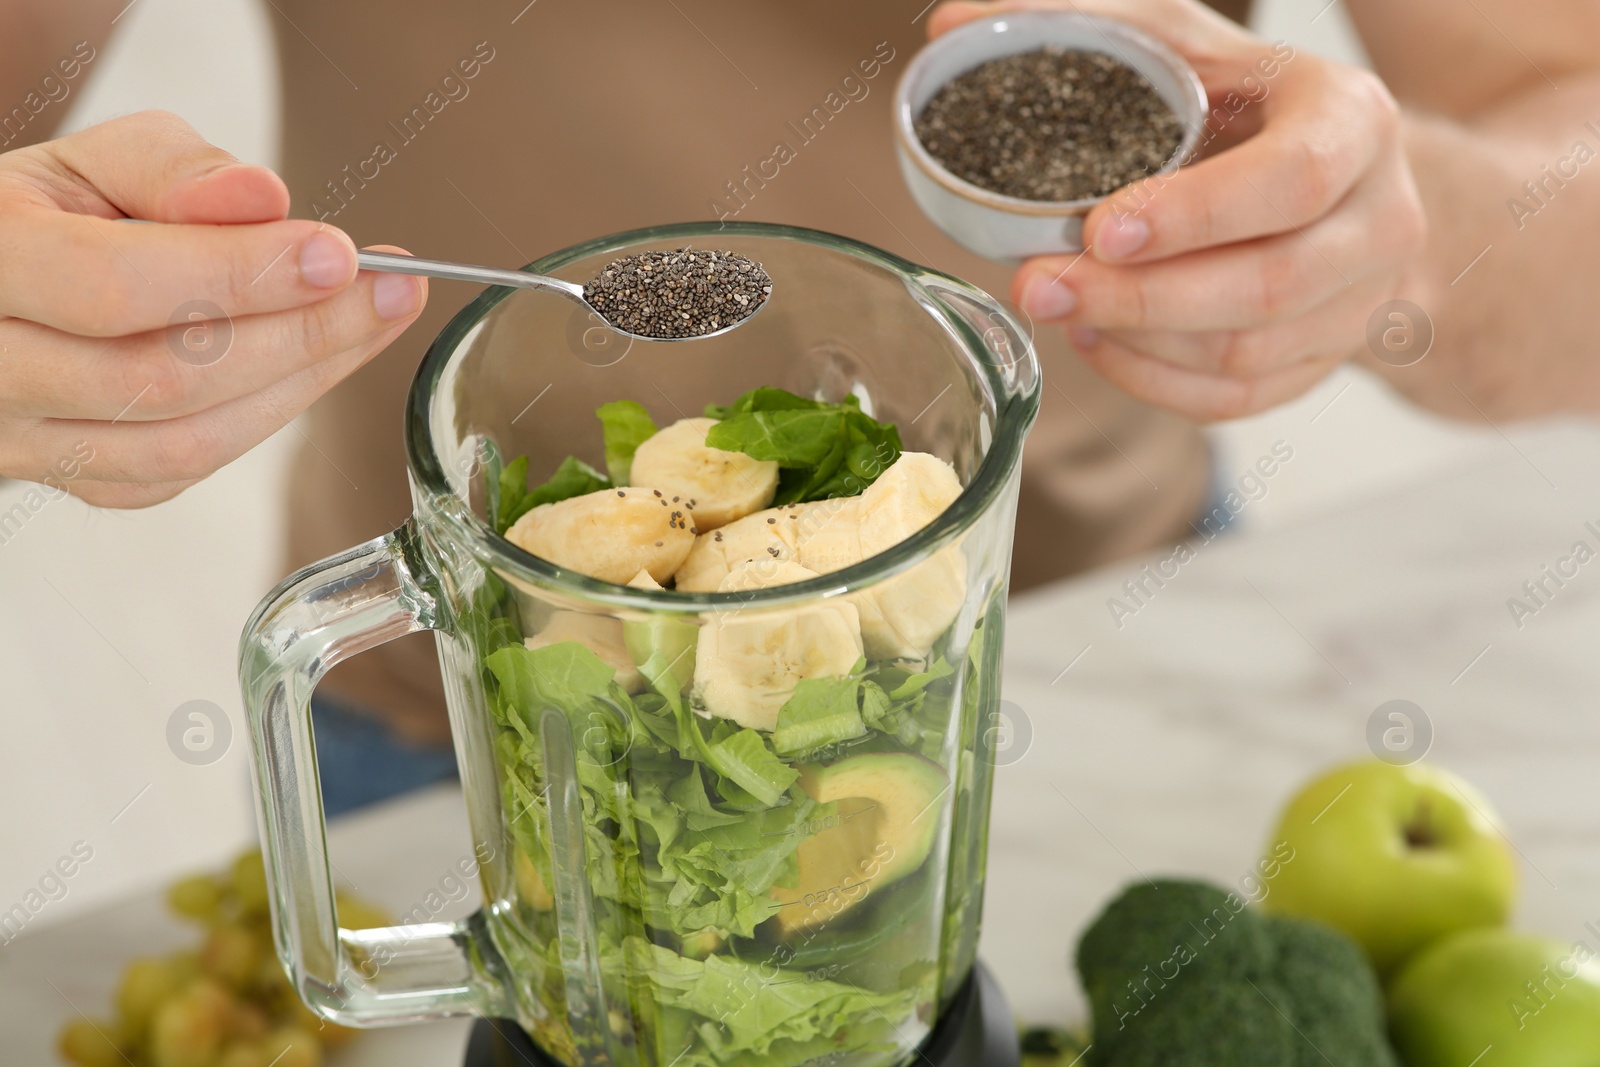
x: 153, y: 165
x: 231, y: 193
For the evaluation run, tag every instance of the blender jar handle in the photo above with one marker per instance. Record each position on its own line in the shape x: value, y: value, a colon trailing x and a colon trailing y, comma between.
x: 315, y: 619
x: 1009, y: 344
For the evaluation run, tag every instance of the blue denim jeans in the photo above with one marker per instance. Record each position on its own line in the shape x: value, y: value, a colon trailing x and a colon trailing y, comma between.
x: 361, y: 761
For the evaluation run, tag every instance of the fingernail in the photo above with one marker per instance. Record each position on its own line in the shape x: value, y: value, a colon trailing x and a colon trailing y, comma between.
x: 1082, y: 337
x: 1121, y: 236
x: 396, y: 295
x: 326, y: 261
x: 1047, y: 299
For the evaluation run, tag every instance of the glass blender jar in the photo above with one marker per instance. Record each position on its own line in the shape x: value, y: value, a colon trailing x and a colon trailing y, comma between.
x: 663, y: 888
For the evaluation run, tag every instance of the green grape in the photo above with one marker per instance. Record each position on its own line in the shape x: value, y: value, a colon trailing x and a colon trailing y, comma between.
x: 246, y: 1054
x: 199, y: 898
x: 145, y: 985
x: 232, y: 955
x: 188, y: 1031
x: 90, y: 1044
x: 250, y: 883
x: 185, y: 966
x: 250, y: 1020
x: 293, y: 1047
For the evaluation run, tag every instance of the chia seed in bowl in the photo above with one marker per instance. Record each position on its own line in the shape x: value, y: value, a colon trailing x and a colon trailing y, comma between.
x: 1052, y: 125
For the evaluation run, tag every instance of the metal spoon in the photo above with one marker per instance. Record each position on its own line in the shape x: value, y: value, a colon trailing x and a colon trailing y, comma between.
x: 519, y: 279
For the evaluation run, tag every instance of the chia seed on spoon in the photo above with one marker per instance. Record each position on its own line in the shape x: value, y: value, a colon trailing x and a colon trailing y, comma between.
x: 682, y: 293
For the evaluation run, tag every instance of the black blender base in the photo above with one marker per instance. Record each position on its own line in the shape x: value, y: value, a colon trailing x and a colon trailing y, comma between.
x: 977, y: 1031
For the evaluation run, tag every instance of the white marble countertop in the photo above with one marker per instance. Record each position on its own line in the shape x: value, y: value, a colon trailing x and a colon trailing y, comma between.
x: 1165, y: 746
x: 1170, y: 746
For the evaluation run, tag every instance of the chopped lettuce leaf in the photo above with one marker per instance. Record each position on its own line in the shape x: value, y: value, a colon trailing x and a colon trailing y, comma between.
x: 746, y: 759
x: 820, y: 712
x: 565, y: 675
x: 917, y: 682
x: 717, y: 860
x: 742, y: 757
x: 625, y: 425
x: 689, y: 794
x: 750, y: 1012
x: 875, y: 705
x: 896, y: 702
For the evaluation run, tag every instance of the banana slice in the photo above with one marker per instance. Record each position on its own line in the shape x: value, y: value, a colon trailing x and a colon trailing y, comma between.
x: 913, y: 492
x: 642, y: 580
x: 719, y: 486
x: 901, y: 617
x: 600, y: 634
x: 748, y: 662
x: 821, y: 536
x: 829, y: 534
x: 610, y: 534
x: 768, y: 534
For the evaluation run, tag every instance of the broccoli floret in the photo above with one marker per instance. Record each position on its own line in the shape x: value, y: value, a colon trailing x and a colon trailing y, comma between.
x: 1209, y: 1023
x: 1336, y: 1002
x: 1183, y: 974
x: 1163, y: 934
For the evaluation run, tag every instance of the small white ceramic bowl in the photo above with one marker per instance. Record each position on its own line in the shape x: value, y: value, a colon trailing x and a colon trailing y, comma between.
x: 1008, y: 228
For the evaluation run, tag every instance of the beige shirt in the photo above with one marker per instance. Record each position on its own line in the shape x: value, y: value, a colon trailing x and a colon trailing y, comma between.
x: 486, y: 131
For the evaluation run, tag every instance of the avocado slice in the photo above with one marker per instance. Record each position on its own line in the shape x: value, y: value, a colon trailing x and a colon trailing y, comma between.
x: 882, y: 829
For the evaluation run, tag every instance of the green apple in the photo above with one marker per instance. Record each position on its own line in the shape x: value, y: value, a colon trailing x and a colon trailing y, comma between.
x: 1396, y: 857
x: 1497, y: 998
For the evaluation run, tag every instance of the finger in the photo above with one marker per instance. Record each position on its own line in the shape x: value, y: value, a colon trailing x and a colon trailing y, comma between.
x: 1378, y: 226
x: 184, y: 369
x: 1202, y: 396
x: 127, y: 494
x: 192, y: 447
x: 1322, y: 129
x: 1335, y: 328
x: 1236, y: 287
x: 99, y: 278
x: 153, y: 165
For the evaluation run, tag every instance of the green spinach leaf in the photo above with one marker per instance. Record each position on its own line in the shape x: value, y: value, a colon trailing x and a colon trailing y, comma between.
x: 572, y: 478
x: 822, y: 449
x: 625, y: 425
